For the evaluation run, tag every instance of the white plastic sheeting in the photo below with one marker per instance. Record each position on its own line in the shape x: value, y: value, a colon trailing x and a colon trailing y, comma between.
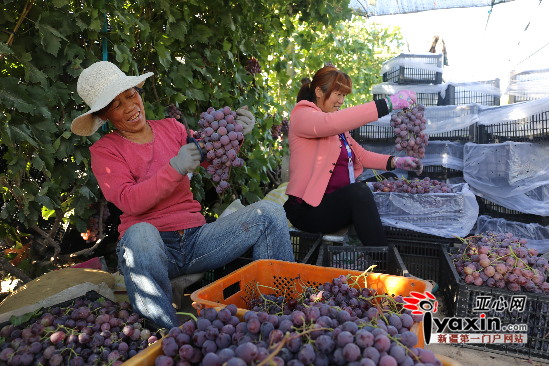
x: 441, y: 119
x: 512, y: 112
x: 441, y: 214
x: 514, y: 175
x: 536, y: 234
x: 474, y: 87
x: 532, y: 84
x: 448, y: 154
x: 392, y: 88
x: 389, y: 7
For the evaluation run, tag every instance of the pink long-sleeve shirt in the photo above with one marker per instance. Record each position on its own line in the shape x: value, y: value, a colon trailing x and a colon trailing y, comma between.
x: 315, y: 147
x: 140, y: 181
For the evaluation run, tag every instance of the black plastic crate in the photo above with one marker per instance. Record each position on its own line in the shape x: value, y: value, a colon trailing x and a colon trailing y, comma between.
x: 427, y: 99
x: 427, y: 262
x: 535, y: 314
x: 421, y: 259
x: 394, y: 233
x: 447, y: 114
x: 489, y: 208
x: 468, y: 93
x: 359, y: 258
x: 373, y: 133
x: 528, y: 129
x: 438, y: 172
x: 215, y: 274
x: 398, y: 72
x: 528, y: 82
x: 305, y: 246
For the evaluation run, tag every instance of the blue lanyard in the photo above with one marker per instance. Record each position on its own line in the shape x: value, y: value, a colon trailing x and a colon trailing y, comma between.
x: 350, y: 156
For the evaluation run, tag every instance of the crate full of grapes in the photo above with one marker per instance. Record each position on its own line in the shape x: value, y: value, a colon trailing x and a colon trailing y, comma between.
x: 86, y: 330
x: 497, y: 274
x: 426, y: 206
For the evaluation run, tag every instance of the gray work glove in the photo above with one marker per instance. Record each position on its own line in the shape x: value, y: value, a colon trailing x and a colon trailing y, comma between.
x: 246, y: 119
x: 187, y: 159
x: 409, y: 163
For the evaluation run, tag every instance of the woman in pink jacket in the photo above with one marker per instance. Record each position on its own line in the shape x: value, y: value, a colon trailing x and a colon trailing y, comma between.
x: 325, y: 159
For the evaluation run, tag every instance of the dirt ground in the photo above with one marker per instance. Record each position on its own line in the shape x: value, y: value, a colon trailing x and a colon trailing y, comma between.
x: 468, y: 356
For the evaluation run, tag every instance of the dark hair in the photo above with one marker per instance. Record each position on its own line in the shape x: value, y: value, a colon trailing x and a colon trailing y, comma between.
x: 106, y: 108
x: 329, y: 79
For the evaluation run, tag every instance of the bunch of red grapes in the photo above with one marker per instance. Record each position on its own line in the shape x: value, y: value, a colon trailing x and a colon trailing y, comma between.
x: 173, y: 112
x: 414, y: 186
x: 336, y: 324
x: 408, y: 126
x: 91, y: 235
x: 281, y: 130
x: 252, y: 66
x: 501, y: 260
x: 85, y: 332
x: 222, y: 136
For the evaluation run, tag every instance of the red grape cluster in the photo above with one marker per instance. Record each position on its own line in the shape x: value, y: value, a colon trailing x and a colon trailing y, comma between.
x: 252, y: 66
x: 281, y: 130
x: 92, y: 232
x: 315, y: 333
x: 408, y: 125
x: 501, y: 260
x: 173, y: 112
x: 222, y: 137
x: 414, y: 186
x: 86, y: 332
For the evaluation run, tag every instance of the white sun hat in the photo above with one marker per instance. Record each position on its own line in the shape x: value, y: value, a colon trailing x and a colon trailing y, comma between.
x: 98, y: 85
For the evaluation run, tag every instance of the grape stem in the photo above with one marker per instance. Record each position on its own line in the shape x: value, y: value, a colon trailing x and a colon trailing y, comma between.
x: 189, y: 314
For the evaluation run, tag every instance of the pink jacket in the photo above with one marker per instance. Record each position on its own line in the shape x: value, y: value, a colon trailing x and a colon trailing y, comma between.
x: 315, y: 147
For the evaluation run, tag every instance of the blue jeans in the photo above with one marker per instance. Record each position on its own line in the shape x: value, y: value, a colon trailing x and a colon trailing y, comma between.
x: 148, y: 258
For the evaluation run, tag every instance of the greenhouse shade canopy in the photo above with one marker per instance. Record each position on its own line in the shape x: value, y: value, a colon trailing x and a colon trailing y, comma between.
x: 390, y: 7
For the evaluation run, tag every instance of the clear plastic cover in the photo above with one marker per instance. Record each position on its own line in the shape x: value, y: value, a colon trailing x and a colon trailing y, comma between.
x: 536, y: 234
x: 448, y: 154
x: 531, y: 84
x: 442, y: 119
x: 425, y: 61
x: 441, y: 214
x: 512, y: 166
x: 391, y: 88
x: 514, y: 175
x: 474, y: 87
x: 511, y: 112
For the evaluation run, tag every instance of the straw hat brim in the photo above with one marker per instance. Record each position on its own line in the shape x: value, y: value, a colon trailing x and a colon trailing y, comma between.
x: 87, y: 124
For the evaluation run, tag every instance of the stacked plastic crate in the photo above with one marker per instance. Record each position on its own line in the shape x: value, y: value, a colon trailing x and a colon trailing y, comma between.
x: 507, y: 168
x: 420, y: 226
x: 528, y: 85
x: 508, y: 172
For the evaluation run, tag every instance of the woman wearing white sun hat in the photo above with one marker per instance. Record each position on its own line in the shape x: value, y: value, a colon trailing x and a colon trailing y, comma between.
x: 142, y: 168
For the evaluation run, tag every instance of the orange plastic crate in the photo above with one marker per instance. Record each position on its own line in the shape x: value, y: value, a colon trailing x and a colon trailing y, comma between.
x: 288, y: 279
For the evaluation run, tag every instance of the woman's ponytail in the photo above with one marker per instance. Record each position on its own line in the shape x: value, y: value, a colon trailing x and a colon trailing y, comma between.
x: 305, y: 93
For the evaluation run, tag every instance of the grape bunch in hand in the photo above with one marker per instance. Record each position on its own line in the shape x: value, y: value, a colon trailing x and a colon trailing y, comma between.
x: 222, y: 136
x: 408, y: 126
